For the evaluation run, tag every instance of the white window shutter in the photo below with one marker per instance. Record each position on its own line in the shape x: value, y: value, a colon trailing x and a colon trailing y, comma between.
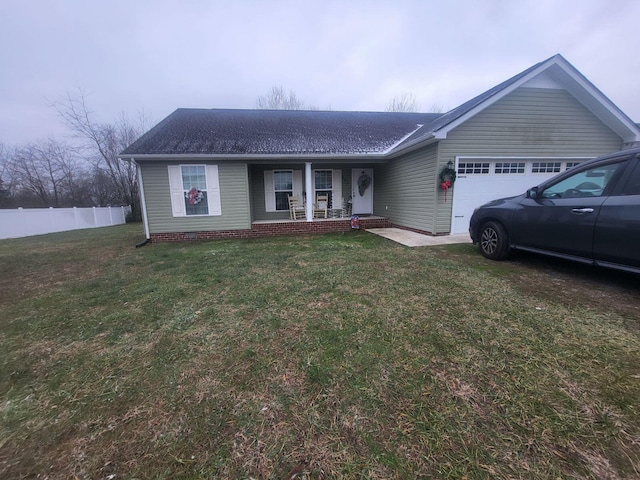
x: 213, y: 190
x: 269, y: 193
x: 175, y: 190
x: 298, y: 185
x: 336, y: 183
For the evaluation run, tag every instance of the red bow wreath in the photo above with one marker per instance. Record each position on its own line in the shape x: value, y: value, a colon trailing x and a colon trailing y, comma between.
x: 194, y: 196
x: 447, y: 177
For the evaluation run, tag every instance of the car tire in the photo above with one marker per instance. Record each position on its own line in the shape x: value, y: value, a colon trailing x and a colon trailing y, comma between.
x: 494, y: 241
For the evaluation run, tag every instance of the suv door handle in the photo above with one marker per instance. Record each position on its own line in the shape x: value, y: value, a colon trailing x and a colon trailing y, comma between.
x: 580, y: 211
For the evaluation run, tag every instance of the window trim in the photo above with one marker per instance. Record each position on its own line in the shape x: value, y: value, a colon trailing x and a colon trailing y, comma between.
x: 336, y: 186
x: 269, y: 188
x: 275, y: 191
x: 176, y: 190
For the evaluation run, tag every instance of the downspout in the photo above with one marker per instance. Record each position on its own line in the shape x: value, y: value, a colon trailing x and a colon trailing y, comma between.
x: 308, y: 187
x: 143, y: 205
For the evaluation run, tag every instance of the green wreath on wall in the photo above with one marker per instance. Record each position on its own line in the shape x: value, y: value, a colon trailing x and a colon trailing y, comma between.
x: 447, y: 177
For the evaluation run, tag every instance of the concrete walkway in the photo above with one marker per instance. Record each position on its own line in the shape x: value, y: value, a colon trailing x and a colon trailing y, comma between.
x: 413, y: 239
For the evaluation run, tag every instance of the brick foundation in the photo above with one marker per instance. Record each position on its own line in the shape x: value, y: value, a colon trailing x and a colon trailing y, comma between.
x: 274, y: 229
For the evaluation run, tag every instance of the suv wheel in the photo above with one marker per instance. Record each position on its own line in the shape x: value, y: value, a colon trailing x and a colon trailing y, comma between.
x: 494, y: 241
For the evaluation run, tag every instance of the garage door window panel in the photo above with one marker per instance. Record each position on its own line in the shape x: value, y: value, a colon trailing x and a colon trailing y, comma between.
x: 509, y: 168
x: 546, y: 167
x: 473, y: 168
x: 570, y: 165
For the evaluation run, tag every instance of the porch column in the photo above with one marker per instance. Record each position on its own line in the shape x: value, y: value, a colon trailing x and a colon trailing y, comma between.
x: 308, y: 189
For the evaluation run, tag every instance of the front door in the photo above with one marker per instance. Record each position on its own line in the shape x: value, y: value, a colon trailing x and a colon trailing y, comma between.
x: 362, y: 191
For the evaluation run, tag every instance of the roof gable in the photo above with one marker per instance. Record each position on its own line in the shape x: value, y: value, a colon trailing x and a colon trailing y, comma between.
x: 555, y: 72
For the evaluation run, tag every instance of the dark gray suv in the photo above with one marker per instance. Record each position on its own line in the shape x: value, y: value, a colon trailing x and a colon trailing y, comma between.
x: 590, y: 214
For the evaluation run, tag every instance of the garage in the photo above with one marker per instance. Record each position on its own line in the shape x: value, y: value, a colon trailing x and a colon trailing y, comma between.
x: 480, y: 180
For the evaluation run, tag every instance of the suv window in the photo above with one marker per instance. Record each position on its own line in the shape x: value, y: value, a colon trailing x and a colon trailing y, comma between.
x: 632, y: 187
x: 587, y: 183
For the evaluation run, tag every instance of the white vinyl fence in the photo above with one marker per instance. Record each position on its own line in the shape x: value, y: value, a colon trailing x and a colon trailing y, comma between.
x: 24, y: 222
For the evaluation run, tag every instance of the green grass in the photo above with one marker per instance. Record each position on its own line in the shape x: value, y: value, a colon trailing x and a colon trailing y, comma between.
x: 332, y: 356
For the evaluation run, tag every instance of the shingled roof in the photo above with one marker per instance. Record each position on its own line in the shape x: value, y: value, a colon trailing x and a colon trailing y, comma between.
x: 277, y: 132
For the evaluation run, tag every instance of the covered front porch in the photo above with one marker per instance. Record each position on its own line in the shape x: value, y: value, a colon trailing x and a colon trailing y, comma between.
x: 344, y: 189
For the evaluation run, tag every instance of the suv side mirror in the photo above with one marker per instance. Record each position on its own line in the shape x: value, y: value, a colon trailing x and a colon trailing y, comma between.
x: 532, y: 193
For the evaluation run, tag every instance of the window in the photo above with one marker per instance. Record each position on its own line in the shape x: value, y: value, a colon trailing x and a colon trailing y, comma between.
x: 473, y: 168
x: 282, y: 187
x: 324, y: 184
x: 194, y: 186
x: 545, y: 167
x: 509, y: 167
x: 632, y: 187
x: 278, y: 186
x: 587, y: 183
x: 194, y: 190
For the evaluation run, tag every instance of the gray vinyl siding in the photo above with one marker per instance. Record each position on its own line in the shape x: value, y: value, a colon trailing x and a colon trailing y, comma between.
x: 404, y: 189
x: 534, y: 122
x: 234, y: 199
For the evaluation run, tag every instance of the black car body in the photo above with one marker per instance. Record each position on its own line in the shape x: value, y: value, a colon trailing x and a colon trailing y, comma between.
x: 590, y: 214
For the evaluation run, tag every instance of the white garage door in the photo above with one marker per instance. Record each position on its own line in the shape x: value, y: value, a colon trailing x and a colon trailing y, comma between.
x: 480, y: 180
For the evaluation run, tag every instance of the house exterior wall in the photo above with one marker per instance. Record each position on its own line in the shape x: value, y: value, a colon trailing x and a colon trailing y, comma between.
x: 529, y: 122
x: 404, y: 190
x: 234, y: 199
x: 533, y: 122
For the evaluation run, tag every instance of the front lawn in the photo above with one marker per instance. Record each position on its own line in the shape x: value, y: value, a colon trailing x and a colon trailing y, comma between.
x: 331, y: 356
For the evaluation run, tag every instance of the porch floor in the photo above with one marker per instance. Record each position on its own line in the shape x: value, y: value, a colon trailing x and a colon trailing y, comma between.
x: 302, y: 220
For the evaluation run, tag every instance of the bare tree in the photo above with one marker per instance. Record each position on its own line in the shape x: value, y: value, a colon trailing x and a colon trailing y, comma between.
x: 278, y: 99
x: 104, y: 141
x: 436, y: 108
x: 5, y: 181
x: 100, y: 188
x: 406, y: 102
x: 47, y: 171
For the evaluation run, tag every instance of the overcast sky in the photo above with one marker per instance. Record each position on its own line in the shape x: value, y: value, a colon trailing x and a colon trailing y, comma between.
x: 155, y: 56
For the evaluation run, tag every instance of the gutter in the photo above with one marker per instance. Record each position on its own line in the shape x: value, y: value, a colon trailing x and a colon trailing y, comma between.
x: 143, y: 203
x: 266, y: 157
